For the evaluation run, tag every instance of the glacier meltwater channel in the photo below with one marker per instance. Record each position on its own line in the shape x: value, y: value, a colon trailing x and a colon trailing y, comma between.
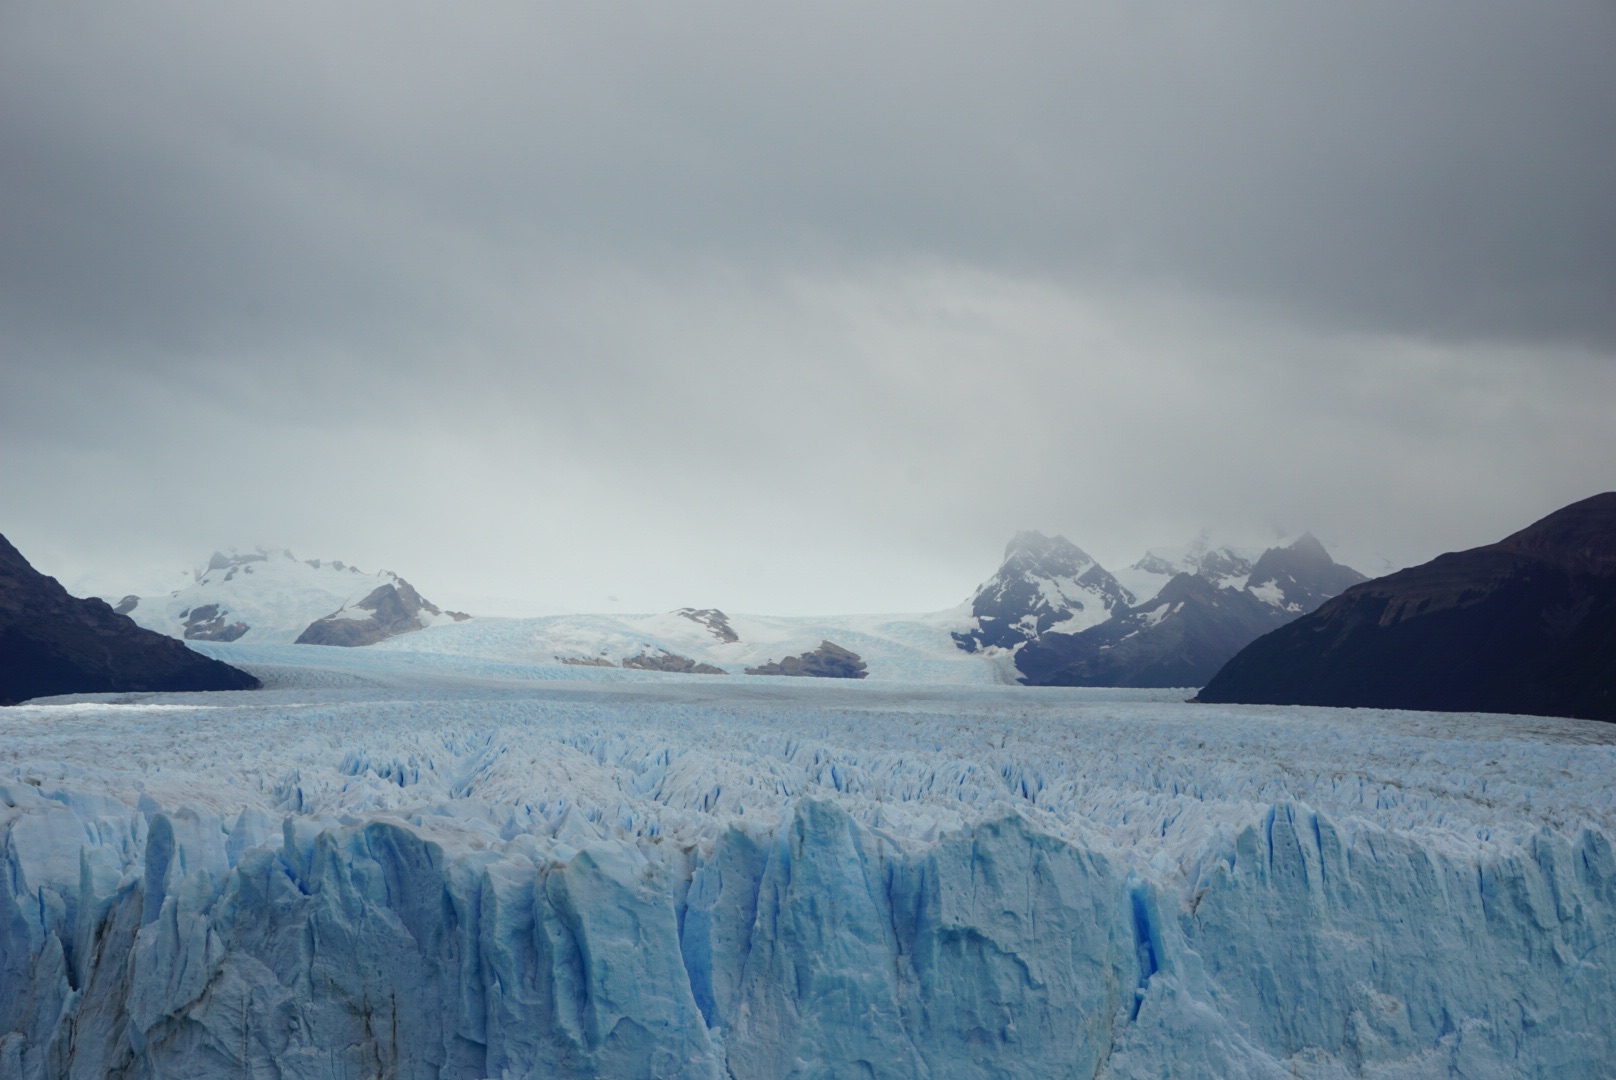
x: 392, y: 865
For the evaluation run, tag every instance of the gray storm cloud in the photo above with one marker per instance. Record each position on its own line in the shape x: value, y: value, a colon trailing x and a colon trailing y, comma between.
x: 795, y: 310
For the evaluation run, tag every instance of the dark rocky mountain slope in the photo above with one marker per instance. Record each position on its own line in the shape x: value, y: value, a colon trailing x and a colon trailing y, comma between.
x: 1300, y: 576
x: 54, y: 643
x: 1526, y: 625
x: 1178, y: 638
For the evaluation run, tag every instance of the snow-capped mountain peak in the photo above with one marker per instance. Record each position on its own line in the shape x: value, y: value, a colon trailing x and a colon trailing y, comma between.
x: 1067, y: 620
x: 1300, y: 576
x: 272, y: 596
x: 1223, y: 565
x: 1047, y: 584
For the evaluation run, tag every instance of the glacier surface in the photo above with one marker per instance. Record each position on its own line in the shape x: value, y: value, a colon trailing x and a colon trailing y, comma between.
x: 393, y: 864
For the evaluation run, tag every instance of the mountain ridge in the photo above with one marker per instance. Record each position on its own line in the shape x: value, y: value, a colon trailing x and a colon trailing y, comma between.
x: 54, y: 643
x: 1524, y: 625
x: 1069, y: 621
x: 270, y: 595
x: 1044, y: 583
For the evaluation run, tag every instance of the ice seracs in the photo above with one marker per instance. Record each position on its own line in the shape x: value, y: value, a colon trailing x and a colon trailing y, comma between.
x: 431, y: 866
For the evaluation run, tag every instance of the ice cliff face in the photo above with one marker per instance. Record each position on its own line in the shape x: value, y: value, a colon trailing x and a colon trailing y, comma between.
x: 432, y: 868
x: 824, y: 948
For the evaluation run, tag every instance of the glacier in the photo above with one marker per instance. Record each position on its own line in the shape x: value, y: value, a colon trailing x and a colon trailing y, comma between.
x: 391, y: 864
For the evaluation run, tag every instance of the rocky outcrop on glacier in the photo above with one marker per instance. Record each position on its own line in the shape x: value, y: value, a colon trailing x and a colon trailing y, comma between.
x: 387, y: 611
x: 829, y: 661
x: 167, y: 943
x: 1526, y: 625
x: 54, y: 643
x: 207, y: 623
x: 666, y: 661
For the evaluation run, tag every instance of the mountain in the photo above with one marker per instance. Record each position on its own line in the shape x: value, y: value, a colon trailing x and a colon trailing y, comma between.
x: 1177, y: 638
x: 1222, y: 565
x: 1192, y: 626
x: 1047, y: 584
x: 275, y: 597
x: 1299, y: 577
x: 54, y: 643
x: 1526, y: 625
x: 387, y: 611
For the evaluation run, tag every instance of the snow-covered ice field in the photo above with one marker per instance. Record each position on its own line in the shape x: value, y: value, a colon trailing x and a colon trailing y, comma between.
x: 393, y: 863
x: 897, y: 648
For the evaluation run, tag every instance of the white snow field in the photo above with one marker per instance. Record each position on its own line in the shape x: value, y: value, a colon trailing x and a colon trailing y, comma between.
x: 273, y: 593
x: 902, y: 648
x: 400, y: 864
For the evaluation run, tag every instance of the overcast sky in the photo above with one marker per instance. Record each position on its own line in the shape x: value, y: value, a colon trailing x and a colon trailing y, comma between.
x: 630, y: 306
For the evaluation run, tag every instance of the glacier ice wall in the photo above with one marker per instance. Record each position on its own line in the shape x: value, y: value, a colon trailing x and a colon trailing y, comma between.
x: 163, y: 942
x: 400, y: 865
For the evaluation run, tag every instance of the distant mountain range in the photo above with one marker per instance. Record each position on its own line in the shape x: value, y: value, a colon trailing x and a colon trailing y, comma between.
x: 1050, y: 615
x: 1526, y: 625
x: 1070, y: 622
x: 53, y: 643
x: 274, y: 597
